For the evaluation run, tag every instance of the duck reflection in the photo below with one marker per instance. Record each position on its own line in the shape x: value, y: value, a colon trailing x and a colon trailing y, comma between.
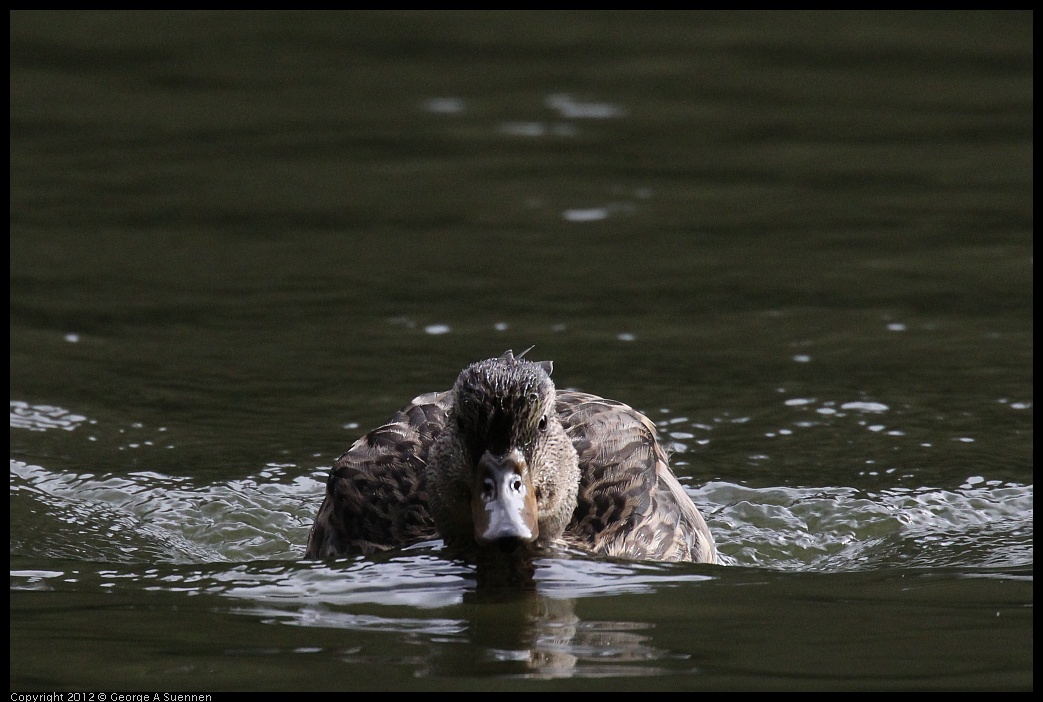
x: 524, y: 633
x: 447, y: 618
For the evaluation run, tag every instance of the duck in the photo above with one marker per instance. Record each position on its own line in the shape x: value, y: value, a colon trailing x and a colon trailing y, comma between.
x: 504, y: 463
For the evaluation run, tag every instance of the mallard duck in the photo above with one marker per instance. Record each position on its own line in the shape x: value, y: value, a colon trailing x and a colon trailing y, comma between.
x: 504, y: 463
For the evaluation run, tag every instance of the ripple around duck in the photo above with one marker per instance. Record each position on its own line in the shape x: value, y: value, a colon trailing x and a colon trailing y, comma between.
x: 147, y: 517
x: 840, y: 529
x: 146, y: 534
x: 152, y: 518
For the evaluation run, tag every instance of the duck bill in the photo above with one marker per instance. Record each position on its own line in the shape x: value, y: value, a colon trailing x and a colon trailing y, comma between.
x: 504, y: 503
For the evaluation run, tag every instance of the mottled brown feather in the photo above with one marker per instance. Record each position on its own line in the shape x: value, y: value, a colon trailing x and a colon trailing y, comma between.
x: 376, y: 495
x: 629, y: 504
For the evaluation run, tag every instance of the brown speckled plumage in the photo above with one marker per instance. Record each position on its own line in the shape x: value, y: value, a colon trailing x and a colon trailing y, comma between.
x: 600, y: 476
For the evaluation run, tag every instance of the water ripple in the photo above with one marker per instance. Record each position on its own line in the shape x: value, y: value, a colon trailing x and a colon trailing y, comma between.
x: 43, y: 417
x: 147, y: 517
x: 839, y: 528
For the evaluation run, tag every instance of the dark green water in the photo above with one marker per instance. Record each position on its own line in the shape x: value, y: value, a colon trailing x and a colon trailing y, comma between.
x: 802, y: 243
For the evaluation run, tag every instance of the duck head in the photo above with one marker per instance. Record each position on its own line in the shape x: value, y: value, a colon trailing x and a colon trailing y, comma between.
x: 503, y: 475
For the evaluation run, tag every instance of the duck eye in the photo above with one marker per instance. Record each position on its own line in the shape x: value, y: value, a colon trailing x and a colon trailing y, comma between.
x: 543, y: 423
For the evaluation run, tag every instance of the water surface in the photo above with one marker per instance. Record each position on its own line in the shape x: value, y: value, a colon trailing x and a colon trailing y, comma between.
x: 801, y: 243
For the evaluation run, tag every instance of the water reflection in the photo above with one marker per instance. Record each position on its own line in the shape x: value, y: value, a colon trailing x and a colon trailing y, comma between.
x: 418, y: 610
x: 463, y: 628
x: 532, y: 635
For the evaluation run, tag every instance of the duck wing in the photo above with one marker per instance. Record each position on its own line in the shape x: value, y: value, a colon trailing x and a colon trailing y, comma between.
x: 630, y: 505
x: 376, y: 497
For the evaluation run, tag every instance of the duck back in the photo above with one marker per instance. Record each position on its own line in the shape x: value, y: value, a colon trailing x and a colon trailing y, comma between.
x: 376, y: 493
x: 630, y: 504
